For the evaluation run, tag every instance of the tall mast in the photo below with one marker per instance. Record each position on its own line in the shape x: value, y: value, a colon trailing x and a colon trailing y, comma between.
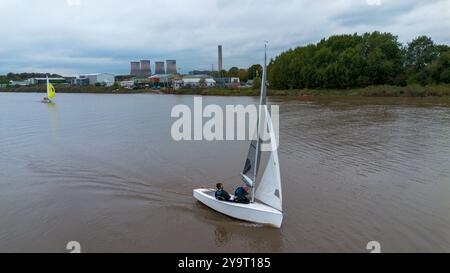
x: 262, y: 103
x: 48, y: 91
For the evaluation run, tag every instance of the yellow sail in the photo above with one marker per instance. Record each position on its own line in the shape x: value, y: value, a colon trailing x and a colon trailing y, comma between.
x: 51, y: 91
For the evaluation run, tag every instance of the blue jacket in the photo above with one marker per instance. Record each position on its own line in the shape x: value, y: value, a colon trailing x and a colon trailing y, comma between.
x: 240, y: 192
x: 222, y: 195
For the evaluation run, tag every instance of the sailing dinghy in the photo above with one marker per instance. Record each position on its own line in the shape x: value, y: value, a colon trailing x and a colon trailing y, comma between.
x: 266, y: 204
x: 51, y: 93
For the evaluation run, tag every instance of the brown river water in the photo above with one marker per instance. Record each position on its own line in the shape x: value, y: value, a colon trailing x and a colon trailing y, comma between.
x: 103, y: 170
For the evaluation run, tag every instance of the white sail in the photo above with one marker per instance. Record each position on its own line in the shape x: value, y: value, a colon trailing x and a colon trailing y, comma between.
x: 48, y: 88
x: 269, y: 188
x: 251, y: 165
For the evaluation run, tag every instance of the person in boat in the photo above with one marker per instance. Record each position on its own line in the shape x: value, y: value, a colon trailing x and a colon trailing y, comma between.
x: 221, y: 194
x: 240, y: 195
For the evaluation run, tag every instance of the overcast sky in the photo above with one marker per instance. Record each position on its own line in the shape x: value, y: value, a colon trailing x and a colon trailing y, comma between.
x: 84, y: 36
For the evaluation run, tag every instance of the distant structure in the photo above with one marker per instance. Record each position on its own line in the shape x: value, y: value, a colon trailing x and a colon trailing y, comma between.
x: 220, y: 63
x: 202, y: 72
x: 160, y: 68
x: 135, y: 69
x: 171, y: 66
x: 146, y: 70
x: 204, y: 81
x: 104, y: 79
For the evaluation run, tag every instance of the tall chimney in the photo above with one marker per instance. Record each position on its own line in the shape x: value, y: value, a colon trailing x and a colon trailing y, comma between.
x: 220, y: 64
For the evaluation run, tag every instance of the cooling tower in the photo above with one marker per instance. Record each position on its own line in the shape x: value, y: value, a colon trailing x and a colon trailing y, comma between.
x: 146, y: 70
x: 171, y: 66
x: 135, y: 69
x: 159, y: 68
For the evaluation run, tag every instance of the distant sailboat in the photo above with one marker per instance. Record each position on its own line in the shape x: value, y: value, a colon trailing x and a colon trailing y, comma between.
x: 266, y: 204
x: 51, y: 92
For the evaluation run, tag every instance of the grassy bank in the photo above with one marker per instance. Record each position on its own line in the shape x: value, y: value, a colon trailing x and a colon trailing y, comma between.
x: 371, y: 91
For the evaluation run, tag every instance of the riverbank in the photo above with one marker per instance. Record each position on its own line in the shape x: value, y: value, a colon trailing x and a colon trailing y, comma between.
x: 370, y: 91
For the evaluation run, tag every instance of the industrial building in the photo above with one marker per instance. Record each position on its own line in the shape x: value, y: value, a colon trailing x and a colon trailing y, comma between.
x: 19, y: 83
x: 160, y: 68
x: 198, y: 81
x: 127, y: 84
x: 81, y: 82
x: 146, y: 70
x: 229, y: 82
x: 171, y: 66
x: 105, y: 79
x: 135, y: 69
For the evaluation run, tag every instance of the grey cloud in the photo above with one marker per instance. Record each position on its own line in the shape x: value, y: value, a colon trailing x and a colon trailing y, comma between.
x: 104, y: 35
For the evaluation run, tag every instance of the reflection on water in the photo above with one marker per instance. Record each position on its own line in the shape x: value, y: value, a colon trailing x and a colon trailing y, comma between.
x: 222, y: 236
x: 104, y: 171
x: 230, y: 234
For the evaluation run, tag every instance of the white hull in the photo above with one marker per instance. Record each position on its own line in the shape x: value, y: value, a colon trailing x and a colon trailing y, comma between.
x: 254, y: 212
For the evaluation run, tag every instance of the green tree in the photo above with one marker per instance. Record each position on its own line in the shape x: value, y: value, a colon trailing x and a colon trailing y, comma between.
x: 223, y: 73
x: 233, y: 72
x: 254, y: 71
x: 443, y: 67
x: 256, y: 83
x: 341, y: 61
x: 421, y: 52
x: 243, y: 75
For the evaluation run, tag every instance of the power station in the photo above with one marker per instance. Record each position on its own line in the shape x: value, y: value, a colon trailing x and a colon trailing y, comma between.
x: 143, y: 68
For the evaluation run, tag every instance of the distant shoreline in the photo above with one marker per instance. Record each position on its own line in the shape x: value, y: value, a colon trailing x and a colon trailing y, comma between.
x: 77, y: 90
x: 441, y: 90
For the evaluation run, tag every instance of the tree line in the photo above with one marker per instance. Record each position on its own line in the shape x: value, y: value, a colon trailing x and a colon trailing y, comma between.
x: 244, y: 74
x: 348, y: 61
x: 4, y: 79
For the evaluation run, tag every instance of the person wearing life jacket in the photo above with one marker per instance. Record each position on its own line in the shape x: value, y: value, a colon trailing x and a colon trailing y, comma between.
x: 240, y: 195
x: 221, y: 194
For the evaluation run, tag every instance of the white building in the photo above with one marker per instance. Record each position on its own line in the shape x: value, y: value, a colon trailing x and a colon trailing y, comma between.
x: 106, y: 79
x: 199, y: 81
x: 127, y: 84
x: 20, y: 83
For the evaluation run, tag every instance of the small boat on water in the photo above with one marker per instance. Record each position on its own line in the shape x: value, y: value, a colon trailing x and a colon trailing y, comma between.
x: 266, y: 195
x: 51, y: 92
